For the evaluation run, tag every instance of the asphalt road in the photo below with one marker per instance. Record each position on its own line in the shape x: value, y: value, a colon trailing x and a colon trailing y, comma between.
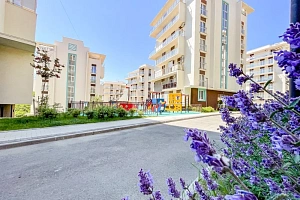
x: 101, y: 167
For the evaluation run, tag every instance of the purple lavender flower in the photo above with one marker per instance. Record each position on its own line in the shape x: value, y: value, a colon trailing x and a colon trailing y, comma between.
x: 225, y: 114
x: 125, y: 198
x: 146, y: 182
x: 250, y: 151
x: 274, y: 188
x: 212, y: 185
x: 292, y: 35
x: 200, y: 191
x: 254, y: 88
x: 288, y: 187
x: 172, y: 188
x: 241, y: 195
x: 234, y: 71
x: 217, y: 198
x: 230, y: 101
x: 297, y: 83
x: 158, y: 196
x: 254, y: 180
x: 242, y: 79
x: 289, y: 62
x: 182, y: 183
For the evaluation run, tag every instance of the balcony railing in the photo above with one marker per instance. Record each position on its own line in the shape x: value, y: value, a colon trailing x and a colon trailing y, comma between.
x: 203, y: 47
x: 202, y: 83
x: 264, y: 79
x: 243, y: 31
x: 242, y: 46
x: 26, y: 4
x: 203, y: 29
x: 203, y: 12
x: 202, y: 65
x: 93, y: 81
x: 132, y: 75
x: 167, y: 56
x: 170, y: 85
x: 172, y: 7
x: 167, y: 41
x: 93, y: 91
x: 169, y: 25
x: 166, y: 71
x: 260, y: 55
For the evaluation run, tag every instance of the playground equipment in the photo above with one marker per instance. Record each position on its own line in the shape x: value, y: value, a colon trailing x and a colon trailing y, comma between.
x: 156, y: 103
x: 177, y: 102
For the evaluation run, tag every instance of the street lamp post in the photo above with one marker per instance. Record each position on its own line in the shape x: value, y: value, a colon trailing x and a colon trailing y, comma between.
x: 295, y: 17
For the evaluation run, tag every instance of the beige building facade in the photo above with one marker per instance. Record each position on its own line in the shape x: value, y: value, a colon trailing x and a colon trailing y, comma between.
x: 263, y: 67
x: 139, y: 83
x: 112, y: 91
x: 196, y: 40
x: 80, y: 78
x: 17, y: 44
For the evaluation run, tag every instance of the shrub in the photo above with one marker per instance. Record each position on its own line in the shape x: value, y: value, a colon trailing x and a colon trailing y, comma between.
x: 140, y: 113
x: 100, y: 112
x: 132, y: 111
x: 207, y: 109
x: 47, y: 113
x: 75, y: 113
x: 21, y: 110
x: 110, y: 111
x: 90, y: 114
x: 121, y: 112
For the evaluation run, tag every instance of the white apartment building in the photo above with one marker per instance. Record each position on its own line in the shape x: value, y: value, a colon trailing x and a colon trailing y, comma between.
x: 196, y: 40
x: 139, y: 83
x: 17, y: 44
x: 112, y: 91
x: 79, y: 80
x: 263, y: 67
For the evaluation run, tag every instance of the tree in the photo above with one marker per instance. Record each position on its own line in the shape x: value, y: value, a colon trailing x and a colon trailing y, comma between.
x: 41, y: 63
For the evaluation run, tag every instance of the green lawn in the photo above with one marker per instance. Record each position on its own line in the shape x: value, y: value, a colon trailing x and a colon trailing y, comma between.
x: 36, y: 122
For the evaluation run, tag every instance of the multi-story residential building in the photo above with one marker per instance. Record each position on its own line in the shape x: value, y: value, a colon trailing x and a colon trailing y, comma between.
x: 139, y: 83
x: 17, y: 44
x: 112, y: 91
x: 261, y: 64
x: 196, y: 40
x: 79, y: 80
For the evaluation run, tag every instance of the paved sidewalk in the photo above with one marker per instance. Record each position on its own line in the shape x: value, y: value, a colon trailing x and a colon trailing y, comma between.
x: 9, y: 139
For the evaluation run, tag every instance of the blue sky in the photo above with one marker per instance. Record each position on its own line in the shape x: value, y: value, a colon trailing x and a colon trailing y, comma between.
x: 120, y: 28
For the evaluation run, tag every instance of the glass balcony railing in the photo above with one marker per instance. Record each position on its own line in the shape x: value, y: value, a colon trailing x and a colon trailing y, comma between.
x: 203, y: 47
x: 170, y: 85
x: 168, y: 26
x: 167, y: 41
x: 172, y: 7
x: 203, y: 12
x: 167, y: 56
x: 243, y: 31
x: 203, y: 29
x: 26, y: 4
x: 202, y: 65
x: 260, y: 56
x: 165, y: 71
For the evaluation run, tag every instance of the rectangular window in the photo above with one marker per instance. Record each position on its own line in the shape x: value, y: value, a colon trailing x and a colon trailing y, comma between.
x: 225, y: 16
x: 93, y: 79
x: 270, y: 69
x: 71, y: 77
x: 201, y: 95
x: 201, y: 80
x: 203, y: 27
x: 270, y: 77
x: 203, y: 9
x: 271, y: 61
x: 262, y: 70
x: 93, y: 69
x: 93, y: 89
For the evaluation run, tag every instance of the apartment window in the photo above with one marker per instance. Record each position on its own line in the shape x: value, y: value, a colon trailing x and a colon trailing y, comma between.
x: 201, y: 95
x: 251, y: 71
x: 93, y: 69
x: 202, y: 62
x: 270, y: 60
x: 270, y: 69
x: 93, y: 89
x: 93, y: 79
x: 202, y: 27
x: 71, y: 77
x: 270, y: 86
x: 270, y: 77
x: 46, y: 86
x: 201, y: 80
x: 262, y: 62
x: 262, y: 70
x: 225, y: 15
x: 262, y: 78
x: 202, y: 45
x: 203, y: 9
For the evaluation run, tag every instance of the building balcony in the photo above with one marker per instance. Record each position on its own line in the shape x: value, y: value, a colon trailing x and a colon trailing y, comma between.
x: 167, y: 15
x: 243, y: 31
x: 167, y: 56
x: 203, y: 48
x: 169, y: 85
x: 203, y: 30
x: 169, y: 42
x: 259, y: 56
x: 202, y: 83
x: 93, y: 91
x: 242, y: 46
x: 166, y: 72
x: 259, y: 80
x: 260, y: 64
x: 203, y: 13
x: 93, y: 81
x: 174, y: 19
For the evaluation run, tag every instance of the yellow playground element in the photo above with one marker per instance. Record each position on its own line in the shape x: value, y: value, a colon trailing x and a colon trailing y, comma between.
x: 174, y: 102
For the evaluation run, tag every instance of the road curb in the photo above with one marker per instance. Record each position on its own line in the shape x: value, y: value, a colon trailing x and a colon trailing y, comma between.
x: 33, y: 141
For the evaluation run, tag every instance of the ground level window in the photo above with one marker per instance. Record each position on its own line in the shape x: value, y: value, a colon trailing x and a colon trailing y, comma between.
x: 201, y: 95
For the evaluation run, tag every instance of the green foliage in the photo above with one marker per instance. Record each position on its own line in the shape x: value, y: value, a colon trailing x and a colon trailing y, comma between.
x: 74, y: 112
x: 207, y: 109
x: 21, y: 110
x: 132, y: 111
x: 121, y: 112
x: 47, y: 113
x: 90, y: 114
x: 140, y: 113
